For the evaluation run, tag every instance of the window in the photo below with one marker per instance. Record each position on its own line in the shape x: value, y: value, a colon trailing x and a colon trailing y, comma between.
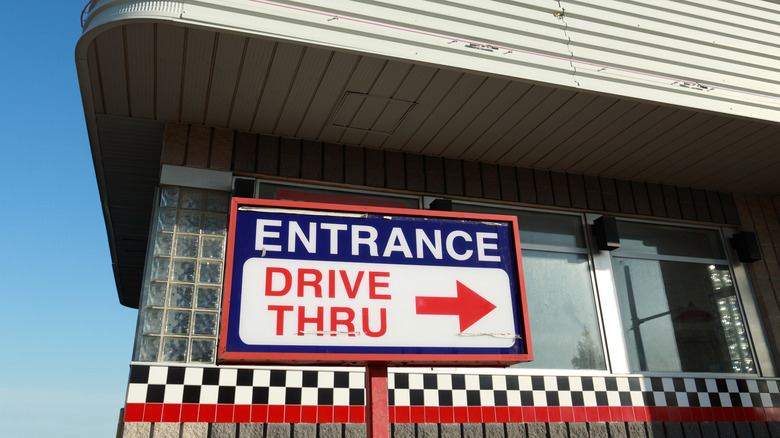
x: 665, y: 301
x: 179, y: 311
x: 565, y: 332
x: 268, y: 190
x: 678, y: 304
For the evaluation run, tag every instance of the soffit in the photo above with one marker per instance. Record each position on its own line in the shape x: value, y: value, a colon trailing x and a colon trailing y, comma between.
x: 166, y: 72
x: 129, y: 158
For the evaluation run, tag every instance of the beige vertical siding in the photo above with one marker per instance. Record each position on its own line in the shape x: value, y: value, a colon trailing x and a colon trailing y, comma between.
x: 280, y: 157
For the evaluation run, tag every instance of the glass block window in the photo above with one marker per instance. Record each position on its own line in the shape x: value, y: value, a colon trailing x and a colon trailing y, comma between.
x: 179, y: 311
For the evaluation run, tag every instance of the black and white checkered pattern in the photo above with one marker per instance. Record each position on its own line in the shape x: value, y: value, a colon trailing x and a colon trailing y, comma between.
x: 223, y: 385
x: 322, y: 387
x: 513, y: 390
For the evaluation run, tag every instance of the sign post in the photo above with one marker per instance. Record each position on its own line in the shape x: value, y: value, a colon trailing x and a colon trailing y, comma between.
x: 377, y: 420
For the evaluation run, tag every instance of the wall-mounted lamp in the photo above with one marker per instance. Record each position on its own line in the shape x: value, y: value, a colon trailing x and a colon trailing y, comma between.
x: 243, y: 188
x: 746, y: 245
x: 441, y: 205
x: 606, y: 233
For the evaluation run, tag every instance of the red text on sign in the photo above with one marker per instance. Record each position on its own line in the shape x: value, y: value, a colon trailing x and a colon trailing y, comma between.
x: 280, y: 281
x: 340, y: 319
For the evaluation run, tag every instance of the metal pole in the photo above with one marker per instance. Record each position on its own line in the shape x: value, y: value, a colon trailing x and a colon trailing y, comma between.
x: 640, y: 346
x: 377, y: 420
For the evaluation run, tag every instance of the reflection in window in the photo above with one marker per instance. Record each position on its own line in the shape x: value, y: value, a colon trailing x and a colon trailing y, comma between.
x: 562, y: 312
x: 733, y: 326
x: 281, y: 192
x: 679, y: 313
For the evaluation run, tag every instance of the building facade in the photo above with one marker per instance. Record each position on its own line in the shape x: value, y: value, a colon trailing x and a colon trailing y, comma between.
x: 662, y: 117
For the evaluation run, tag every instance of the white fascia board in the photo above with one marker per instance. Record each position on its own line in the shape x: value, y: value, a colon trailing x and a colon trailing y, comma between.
x: 738, y: 86
x: 403, y: 44
x: 478, y: 42
x: 113, y: 12
x: 642, y: 24
x: 753, y: 16
x: 674, y: 45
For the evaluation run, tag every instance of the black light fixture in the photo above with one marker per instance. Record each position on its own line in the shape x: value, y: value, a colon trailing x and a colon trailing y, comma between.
x: 243, y: 188
x: 746, y: 245
x: 441, y: 205
x: 606, y: 233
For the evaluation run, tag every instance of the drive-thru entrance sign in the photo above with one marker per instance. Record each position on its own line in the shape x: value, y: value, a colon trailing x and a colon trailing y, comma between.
x: 320, y: 283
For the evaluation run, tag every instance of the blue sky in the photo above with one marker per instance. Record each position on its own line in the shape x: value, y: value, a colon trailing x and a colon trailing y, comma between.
x: 66, y: 339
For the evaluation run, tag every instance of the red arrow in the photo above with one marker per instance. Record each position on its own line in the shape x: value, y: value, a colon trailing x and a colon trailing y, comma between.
x: 468, y: 305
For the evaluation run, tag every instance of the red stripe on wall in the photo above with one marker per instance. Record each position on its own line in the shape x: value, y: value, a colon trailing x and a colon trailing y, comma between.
x: 209, y: 413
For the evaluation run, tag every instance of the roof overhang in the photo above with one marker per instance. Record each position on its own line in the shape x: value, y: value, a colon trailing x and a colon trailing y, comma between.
x: 320, y: 75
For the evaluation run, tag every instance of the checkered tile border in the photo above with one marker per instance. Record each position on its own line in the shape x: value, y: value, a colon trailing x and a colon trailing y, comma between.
x: 510, y: 390
x: 220, y: 385
x: 340, y: 395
